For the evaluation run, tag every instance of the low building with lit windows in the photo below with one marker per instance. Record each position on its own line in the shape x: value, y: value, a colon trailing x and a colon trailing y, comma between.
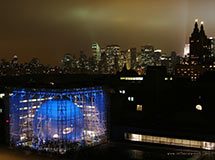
x: 191, y: 72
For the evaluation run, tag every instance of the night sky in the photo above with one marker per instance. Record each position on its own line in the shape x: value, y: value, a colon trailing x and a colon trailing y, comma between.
x: 49, y: 28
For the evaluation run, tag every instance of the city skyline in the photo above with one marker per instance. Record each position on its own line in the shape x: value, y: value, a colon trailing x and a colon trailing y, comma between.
x: 52, y: 28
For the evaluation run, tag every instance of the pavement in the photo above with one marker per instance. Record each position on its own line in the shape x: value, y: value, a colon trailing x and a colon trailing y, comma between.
x: 113, y: 151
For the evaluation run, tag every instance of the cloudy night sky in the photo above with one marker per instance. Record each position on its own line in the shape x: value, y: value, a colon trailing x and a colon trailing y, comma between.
x: 49, y: 28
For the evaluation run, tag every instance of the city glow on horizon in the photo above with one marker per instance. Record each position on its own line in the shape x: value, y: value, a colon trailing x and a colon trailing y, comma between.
x: 53, y: 28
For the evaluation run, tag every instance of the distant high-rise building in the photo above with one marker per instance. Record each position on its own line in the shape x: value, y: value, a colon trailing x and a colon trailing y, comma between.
x: 83, y: 63
x: 14, y: 60
x: 186, y: 50
x: 69, y: 60
x: 147, y: 49
x: 96, y: 51
x: 112, y: 55
x: 199, y: 46
x: 149, y: 56
x: 122, y: 59
x: 133, y: 58
x: 200, y: 57
x: 128, y: 59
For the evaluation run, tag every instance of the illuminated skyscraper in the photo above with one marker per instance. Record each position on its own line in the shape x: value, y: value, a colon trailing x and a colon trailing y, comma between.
x: 133, y: 57
x: 199, y: 46
x: 128, y: 59
x: 113, y: 54
x: 186, y: 49
x: 201, y: 57
x: 96, y: 51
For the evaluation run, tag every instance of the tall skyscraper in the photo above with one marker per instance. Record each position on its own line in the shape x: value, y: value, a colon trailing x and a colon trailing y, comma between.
x: 133, y: 57
x: 96, y: 51
x: 128, y: 59
x: 113, y: 53
x: 201, y: 57
x: 199, y: 46
x: 186, y: 50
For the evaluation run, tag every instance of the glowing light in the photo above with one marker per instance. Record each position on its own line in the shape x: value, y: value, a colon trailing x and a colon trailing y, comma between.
x: 158, y: 51
x: 122, y: 91
x: 208, y: 145
x: 202, y: 22
x: 23, y: 137
x: 90, y: 133
x: 139, y: 107
x: 67, y: 130
x: 131, y: 78
x: 2, y: 95
x: 131, y: 99
x: 196, y: 20
x: 163, y: 58
x: 136, y: 137
x: 186, y: 49
x: 170, y: 141
x: 35, y: 100
x: 56, y: 136
x: 199, y: 107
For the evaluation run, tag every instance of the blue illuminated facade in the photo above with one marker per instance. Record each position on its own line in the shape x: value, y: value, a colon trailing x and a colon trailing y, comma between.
x: 53, y: 119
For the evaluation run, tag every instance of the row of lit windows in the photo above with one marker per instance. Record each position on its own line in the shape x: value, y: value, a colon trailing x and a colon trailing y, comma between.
x: 35, y: 100
x: 122, y: 91
x: 26, y: 108
x: 131, y: 99
x: 168, y: 78
x: 170, y: 141
x: 131, y: 78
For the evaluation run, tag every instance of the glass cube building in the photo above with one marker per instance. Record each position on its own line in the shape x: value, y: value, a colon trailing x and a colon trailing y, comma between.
x: 55, y: 120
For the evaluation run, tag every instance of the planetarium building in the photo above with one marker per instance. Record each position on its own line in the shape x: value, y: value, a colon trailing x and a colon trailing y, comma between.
x: 55, y: 119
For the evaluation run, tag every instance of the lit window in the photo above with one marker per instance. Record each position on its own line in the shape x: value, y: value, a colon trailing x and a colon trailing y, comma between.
x: 131, y: 99
x: 208, y: 145
x: 122, y: 91
x: 2, y: 95
x: 1, y: 110
x: 136, y: 137
x: 139, y: 107
x: 198, y: 107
